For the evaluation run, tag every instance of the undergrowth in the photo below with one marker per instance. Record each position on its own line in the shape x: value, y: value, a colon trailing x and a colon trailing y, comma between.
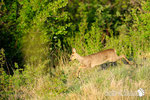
x: 93, y: 83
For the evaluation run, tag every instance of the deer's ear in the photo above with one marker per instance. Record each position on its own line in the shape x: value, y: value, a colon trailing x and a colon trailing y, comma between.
x: 73, y: 50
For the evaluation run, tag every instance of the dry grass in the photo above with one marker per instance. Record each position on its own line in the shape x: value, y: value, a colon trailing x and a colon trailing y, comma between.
x: 93, y: 84
x: 124, y: 80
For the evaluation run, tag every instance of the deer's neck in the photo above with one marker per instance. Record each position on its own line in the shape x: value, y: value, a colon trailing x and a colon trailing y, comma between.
x: 79, y: 58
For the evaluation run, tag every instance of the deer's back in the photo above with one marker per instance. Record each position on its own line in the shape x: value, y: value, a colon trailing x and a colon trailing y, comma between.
x: 100, y: 57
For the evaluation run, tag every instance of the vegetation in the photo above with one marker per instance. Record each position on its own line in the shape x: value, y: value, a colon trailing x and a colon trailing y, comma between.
x: 36, y: 38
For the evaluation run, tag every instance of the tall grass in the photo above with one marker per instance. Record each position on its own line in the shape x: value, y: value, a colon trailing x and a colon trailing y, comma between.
x: 122, y: 80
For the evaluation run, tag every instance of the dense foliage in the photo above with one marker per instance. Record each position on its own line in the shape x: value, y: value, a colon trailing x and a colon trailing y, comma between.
x: 37, y: 35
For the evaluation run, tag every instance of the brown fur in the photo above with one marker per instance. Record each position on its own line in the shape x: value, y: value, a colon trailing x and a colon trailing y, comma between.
x: 99, y: 58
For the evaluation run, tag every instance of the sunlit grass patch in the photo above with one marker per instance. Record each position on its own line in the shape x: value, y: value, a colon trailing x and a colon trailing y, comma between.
x: 93, y: 83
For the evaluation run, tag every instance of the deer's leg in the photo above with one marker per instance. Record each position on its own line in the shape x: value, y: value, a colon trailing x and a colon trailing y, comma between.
x: 123, y: 56
x: 78, y: 71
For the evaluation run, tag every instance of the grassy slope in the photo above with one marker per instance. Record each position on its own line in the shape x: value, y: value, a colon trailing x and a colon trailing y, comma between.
x: 93, y: 83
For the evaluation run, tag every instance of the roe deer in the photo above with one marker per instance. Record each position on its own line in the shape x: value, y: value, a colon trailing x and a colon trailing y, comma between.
x: 99, y: 58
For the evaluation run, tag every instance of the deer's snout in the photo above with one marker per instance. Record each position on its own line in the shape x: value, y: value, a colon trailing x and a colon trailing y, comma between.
x: 69, y: 59
x: 72, y: 57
